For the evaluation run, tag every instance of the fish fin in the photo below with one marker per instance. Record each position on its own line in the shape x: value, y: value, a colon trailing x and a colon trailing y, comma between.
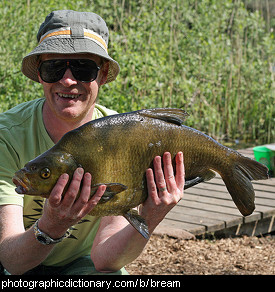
x: 207, y: 175
x: 192, y: 182
x: 137, y: 222
x: 169, y: 115
x: 238, y: 182
x: 111, y: 190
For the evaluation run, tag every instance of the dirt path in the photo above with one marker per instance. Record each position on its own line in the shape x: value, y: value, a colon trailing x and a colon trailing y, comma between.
x: 231, y: 256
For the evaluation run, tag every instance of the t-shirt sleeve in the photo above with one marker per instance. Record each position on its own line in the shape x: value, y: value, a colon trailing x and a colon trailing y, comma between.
x: 101, y: 111
x: 9, y: 163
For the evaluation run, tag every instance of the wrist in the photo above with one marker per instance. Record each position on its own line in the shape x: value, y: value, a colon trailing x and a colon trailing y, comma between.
x: 54, y: 231
x: 44, y: 238
x: 152, y: 220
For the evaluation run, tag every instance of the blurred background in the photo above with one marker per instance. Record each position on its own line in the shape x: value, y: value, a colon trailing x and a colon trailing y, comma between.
x: 214, y: 59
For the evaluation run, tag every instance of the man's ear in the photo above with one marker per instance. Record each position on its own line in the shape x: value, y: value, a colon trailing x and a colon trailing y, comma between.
x: 104, y: 73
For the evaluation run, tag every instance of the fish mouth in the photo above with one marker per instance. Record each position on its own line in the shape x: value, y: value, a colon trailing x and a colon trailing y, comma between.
x: 21, y: 185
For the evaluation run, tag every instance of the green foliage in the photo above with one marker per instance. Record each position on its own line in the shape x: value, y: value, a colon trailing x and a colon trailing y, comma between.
x: 212, y: 58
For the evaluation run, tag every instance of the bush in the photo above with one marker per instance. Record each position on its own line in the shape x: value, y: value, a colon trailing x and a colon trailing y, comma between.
x: 211, y: 58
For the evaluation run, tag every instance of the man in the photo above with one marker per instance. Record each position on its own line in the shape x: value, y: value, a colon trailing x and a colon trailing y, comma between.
x: 55, y: 236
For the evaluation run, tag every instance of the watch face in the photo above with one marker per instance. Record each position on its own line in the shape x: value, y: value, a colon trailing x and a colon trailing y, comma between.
x: 41, y: 239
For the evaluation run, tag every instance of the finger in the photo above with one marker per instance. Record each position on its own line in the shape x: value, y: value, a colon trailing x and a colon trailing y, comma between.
x: 94, y: 200
x: 73, y: 190
x: 159, y: 176
x: 57, y: 191
x: 151, y: 185
x: 180, y: 171
x: 85, y: 192
x: 169, y: 172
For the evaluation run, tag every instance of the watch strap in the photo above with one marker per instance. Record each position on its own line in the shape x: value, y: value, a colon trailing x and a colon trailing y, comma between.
x: 45, y: 238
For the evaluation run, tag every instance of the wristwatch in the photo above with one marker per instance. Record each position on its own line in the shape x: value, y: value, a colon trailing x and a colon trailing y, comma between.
x: 45, y: 238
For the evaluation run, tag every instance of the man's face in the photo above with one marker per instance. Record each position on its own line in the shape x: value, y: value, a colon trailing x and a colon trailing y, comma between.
x: 70, y: 99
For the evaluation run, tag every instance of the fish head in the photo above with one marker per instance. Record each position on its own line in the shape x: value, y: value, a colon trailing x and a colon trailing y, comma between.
x: 39, y: 176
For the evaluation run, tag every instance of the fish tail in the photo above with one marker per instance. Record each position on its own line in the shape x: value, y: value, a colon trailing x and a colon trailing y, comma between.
x: 239, y: 185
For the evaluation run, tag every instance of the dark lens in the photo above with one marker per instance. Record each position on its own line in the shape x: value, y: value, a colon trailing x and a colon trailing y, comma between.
x: 84, y: 70
x: 52, y: 70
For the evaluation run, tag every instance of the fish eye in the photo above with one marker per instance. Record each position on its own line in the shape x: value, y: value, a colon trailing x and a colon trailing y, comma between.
x: 45, y: 173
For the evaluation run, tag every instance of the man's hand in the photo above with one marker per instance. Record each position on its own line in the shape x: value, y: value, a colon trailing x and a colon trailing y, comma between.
x: 59, y: 212
x: 117, y: 243
x: 165, y: 189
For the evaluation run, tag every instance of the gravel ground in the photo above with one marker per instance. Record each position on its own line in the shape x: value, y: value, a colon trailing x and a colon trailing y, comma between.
x: 164, y: 255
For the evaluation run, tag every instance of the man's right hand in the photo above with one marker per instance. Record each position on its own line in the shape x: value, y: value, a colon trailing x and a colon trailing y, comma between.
x: 61, y: 212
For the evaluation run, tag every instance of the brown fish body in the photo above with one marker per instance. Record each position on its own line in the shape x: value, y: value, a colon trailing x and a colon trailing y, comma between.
x: 121, y: 152
x: 118, y: 150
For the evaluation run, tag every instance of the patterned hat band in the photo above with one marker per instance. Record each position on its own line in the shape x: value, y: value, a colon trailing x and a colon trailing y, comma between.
x: 67, y: 32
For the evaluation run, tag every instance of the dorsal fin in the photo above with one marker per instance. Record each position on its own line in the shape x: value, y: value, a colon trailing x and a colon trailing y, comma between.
x: 169, y: 115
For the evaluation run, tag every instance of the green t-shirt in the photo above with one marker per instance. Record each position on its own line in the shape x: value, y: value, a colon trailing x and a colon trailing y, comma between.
x: 23, y: 137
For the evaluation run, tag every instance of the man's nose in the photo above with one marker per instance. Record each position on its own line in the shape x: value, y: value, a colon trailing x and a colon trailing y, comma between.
x: 68, y: 78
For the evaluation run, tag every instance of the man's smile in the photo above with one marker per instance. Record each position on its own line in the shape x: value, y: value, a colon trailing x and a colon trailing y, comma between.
x: 70, y: 96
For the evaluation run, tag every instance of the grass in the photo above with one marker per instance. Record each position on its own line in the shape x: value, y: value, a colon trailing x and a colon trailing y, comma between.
x: 212, y: 58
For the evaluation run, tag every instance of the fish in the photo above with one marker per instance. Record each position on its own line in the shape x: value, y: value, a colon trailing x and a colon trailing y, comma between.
x: 117, y: 150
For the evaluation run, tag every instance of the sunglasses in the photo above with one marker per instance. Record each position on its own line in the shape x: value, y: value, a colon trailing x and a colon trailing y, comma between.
x: 83, y: 70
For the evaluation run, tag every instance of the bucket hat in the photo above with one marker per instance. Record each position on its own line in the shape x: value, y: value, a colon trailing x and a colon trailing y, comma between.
x: 71, y: 32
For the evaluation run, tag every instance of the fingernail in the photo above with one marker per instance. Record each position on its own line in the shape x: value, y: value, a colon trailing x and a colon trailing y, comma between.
x: 87, y: 175
x: 80, y: 170
x: 64, y: 176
